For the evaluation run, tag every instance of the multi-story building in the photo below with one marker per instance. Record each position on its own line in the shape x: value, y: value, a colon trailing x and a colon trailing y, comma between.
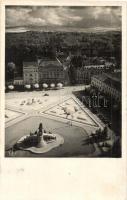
x: 18, y: 81
x: 109, y: 84
x: 51, y: 71
x: 84, y: 74
x: 30, y: 72
x: 44, y: 71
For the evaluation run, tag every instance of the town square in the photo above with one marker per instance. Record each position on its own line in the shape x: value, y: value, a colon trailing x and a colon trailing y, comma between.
x: 63, y: 84
x: 22, y: 119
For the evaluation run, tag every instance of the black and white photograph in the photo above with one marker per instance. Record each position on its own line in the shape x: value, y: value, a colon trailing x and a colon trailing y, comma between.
x: 63, y: 81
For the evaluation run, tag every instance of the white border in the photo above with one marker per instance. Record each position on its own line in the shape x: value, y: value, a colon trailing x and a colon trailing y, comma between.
x: 66, y: 178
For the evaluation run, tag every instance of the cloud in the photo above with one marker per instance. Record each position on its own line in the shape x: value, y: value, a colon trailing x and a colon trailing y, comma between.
x: 40, y: 16
x: 21, y: 17
x: 100, y: 16
x: 83, y: 17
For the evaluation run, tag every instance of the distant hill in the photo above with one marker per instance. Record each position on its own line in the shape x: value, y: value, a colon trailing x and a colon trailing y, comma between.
x: 59, y: 29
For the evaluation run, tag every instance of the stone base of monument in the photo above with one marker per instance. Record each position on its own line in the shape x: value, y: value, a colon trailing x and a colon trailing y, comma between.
x: 45, y: 146
x: 42, y: 143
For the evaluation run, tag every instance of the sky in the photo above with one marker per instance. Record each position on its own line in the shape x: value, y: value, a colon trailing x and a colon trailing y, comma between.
x: 77, y: 17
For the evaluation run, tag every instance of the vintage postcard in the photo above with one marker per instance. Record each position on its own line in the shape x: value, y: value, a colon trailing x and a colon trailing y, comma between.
x: 63, y: 83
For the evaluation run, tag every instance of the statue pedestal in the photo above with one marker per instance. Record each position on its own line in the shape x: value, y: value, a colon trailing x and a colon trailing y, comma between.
x: 42, y: 143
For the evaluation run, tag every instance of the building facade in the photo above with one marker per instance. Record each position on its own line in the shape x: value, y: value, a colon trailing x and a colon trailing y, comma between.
x: 30, y: 72
x: 52, y: 71
x: 44, y: 71
x: 18, y: 81
x: 84, y: 74
x: 109, y: 84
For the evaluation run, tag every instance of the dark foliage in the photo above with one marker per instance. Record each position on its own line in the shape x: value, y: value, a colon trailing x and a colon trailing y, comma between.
x: 30, y: 45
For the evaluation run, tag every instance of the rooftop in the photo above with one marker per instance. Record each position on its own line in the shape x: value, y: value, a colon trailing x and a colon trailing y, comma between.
x: 116, y: 76
x: 112, y: 80
x: 29, y: 63
x: 101, y: 77
x: 49, y: 63
x: 18, y: 78
x: 94, y: 66
x: 113, y: 83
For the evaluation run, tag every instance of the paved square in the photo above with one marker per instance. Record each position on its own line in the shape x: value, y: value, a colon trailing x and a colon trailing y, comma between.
x: 29, y: 102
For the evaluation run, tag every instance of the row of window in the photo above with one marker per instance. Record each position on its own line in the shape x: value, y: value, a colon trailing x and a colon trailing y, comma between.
x: 106, y: 88
x: 31, y: 75
x: 56, y: 73
x: 51, y: 74
x: 83, y: 76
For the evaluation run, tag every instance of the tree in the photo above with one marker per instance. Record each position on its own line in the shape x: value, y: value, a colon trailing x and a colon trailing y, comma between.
x: 36, y: 86
x: 11, y: 87
x: 45, y: 85
x: 52, y: 85
x: 11, y: 66
x: 27, y: 86
x: 10, y: 70
x: 59, y: 85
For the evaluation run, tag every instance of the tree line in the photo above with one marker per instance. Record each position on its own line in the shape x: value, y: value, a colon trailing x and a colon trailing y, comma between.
x: 30, y: 45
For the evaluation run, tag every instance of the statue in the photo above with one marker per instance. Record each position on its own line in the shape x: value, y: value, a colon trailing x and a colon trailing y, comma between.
x: 40, y: 132
x: 41, y: 141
